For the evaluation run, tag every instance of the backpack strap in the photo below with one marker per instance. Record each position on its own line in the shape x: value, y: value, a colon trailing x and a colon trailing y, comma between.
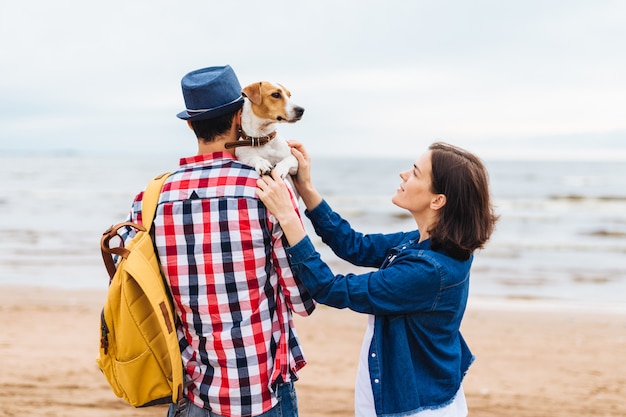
x: 151, y: 199
x: 148, y: 210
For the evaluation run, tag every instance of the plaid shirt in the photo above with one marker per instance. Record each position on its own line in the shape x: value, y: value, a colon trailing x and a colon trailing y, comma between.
x: 224, y: 258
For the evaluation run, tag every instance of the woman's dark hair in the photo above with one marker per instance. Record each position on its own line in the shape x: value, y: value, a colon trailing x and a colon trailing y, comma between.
x: 209, y: 129
x: 467, y: 220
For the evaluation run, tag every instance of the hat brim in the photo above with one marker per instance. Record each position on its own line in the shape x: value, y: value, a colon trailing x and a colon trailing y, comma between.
x: 212, y: 113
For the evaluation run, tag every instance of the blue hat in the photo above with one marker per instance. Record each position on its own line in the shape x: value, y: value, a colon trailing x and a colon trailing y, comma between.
x: 210, y: 92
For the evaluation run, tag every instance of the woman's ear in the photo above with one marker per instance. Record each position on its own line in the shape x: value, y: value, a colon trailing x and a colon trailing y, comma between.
x: 438, y: 202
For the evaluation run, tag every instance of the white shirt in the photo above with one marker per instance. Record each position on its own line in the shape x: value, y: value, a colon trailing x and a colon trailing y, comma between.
x: 364, y: 397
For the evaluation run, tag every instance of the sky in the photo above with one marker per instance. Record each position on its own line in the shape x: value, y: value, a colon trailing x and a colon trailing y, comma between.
x: 507, y: 79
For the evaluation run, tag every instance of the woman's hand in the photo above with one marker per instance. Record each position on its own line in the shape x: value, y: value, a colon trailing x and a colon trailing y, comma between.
x: 302, y: 180
x: 273, y: 192
x: 303, y: 177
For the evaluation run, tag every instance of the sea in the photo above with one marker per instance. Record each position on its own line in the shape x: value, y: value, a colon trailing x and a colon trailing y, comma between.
x: 561, y: 236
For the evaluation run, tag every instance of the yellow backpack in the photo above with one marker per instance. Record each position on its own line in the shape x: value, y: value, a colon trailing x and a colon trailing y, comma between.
x: 139, y: 353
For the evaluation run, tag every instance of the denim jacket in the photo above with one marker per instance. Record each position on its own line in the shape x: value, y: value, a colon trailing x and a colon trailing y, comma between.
x: 418, y: 357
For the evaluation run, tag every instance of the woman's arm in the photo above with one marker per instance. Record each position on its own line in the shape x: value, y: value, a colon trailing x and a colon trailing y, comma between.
x: 410, y: 284
x: 369, y: 250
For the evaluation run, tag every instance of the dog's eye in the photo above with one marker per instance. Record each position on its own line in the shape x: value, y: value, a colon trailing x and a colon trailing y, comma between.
x: 276, y: 95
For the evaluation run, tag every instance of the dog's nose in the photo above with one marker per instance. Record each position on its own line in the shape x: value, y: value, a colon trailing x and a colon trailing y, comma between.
x: 299, y: 111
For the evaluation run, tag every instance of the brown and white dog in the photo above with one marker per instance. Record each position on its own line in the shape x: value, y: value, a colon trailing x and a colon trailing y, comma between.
x: 265, y: 105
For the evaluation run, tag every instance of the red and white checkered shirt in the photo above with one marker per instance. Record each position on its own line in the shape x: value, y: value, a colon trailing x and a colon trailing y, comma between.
x: 224, y: 258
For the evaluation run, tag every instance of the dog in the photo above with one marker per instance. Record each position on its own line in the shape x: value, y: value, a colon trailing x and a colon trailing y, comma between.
x: 265, y: 105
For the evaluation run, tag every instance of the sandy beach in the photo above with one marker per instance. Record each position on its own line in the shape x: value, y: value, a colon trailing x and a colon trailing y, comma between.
x: 533, y: 358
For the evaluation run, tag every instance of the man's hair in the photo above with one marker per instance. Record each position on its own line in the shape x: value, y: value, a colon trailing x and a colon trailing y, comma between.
x: 467, y: 220
x: 208, y: 129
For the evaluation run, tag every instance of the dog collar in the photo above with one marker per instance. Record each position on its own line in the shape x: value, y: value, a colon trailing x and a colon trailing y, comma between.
x: 251, y: 141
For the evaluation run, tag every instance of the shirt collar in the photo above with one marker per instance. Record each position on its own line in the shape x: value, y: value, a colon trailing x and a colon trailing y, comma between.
x: 205, y: 159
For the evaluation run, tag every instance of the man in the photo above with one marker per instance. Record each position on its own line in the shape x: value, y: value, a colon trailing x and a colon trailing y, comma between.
x: 222, y: 254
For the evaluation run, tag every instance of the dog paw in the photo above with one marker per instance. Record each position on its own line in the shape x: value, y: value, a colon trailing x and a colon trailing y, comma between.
x: 263, y: 167
x: 285, y: 167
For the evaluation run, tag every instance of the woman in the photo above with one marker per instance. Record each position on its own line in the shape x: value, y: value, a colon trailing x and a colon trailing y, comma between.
x: 413, y: 357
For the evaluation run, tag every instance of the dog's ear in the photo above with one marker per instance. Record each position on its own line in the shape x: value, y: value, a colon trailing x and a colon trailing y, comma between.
x: 253, y: 92
x: 286, y: 91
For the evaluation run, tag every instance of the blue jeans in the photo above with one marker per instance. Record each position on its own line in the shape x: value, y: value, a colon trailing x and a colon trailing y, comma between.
x: 287, y: 406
